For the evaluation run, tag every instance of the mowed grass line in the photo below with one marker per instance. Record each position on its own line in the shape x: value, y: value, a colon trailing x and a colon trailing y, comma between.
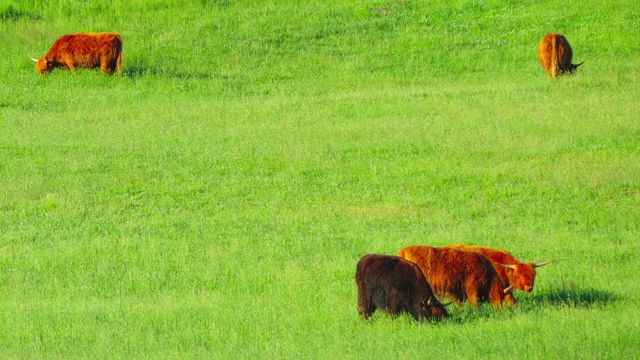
x: 213, y: 201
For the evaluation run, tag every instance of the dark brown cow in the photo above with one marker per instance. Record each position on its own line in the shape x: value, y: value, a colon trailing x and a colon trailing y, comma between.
x: 87, y: 50
x: 511, y: 270
x: 394, y: 285
x: 555, y: 55
x: 460, y: 275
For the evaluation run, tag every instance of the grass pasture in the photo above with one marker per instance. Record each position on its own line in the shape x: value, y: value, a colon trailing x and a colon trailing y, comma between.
x: 213, y: 201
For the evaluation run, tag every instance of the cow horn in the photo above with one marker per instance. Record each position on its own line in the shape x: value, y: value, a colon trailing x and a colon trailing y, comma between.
x: 576, y: 65
x: 447, y: 304
x: 512, y: 267
x: 429, y: 302
x: 541, y: 264
x: 508, y: 289
x: 36, y: 60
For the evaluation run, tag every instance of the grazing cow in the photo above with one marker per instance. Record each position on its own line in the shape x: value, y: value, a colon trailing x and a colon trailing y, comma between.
x: 460, y: 275
x: 555, y: 55
x: 394, y: 285
x: 511, y: 270
x: 88, y: 50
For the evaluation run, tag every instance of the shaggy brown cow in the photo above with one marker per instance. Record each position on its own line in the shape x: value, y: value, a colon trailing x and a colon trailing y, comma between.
x: 394, y: 285
x: 86, y: 50
x: 460, y: 275
x: 511, y: 270
x: 555, y: 54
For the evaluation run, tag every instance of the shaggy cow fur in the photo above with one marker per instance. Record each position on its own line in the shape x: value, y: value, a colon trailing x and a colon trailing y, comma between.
x: 395, y: 285
x: 511, y: 270
x: 555, y: 55
x: 87, y: 50
x: 460, y: 275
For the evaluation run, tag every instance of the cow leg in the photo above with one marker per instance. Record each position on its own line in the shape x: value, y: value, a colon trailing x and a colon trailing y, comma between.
x: 472, y: 296
x: 70, y: 65
x: 365, y: 305
x: 119, y: 63
x: 68, y: 62
x: 394, y: 305
x: 414, y: 312
x: 366, y: 310
x: 106, y: 66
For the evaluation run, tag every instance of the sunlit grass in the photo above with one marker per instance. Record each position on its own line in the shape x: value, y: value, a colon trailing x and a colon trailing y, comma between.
x: 214, y: 200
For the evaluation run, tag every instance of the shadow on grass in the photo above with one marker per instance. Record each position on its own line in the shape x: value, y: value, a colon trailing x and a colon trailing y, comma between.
x: 133, y: 72
x: 553, y: 299
x: 137, y: 71
x: 573, y: 297
x: 468, y: 314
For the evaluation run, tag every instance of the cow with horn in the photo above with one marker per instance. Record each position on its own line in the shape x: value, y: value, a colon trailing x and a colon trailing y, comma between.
x: 394, y: 285
x: 86, y: 50
x: 460, y: 275
x: 512, y: 271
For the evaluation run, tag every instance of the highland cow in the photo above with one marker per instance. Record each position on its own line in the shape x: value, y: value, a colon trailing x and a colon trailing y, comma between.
x: 512, y: 271
x: 555, y: 55
x: 86, y: 50
x: 460, y: 275
x: 395, y: 285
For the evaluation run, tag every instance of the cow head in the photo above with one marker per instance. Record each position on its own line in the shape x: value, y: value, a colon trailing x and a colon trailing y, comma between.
x: 434, y: 309
x: 572, y: 67
x: 522, y: 276
x: 43, y: 67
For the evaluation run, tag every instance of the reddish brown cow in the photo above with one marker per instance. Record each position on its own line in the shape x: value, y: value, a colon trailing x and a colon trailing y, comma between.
x: 395, y: 285
x: 87, y: 50
x: 511, y: 270
x: 555, y: 55
x: 460, y: 275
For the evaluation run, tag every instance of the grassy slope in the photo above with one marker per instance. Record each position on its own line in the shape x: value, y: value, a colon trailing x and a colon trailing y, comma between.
x: 215, y: 199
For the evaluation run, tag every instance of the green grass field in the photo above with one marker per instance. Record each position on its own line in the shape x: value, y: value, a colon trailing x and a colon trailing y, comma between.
x: 213, y: 201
